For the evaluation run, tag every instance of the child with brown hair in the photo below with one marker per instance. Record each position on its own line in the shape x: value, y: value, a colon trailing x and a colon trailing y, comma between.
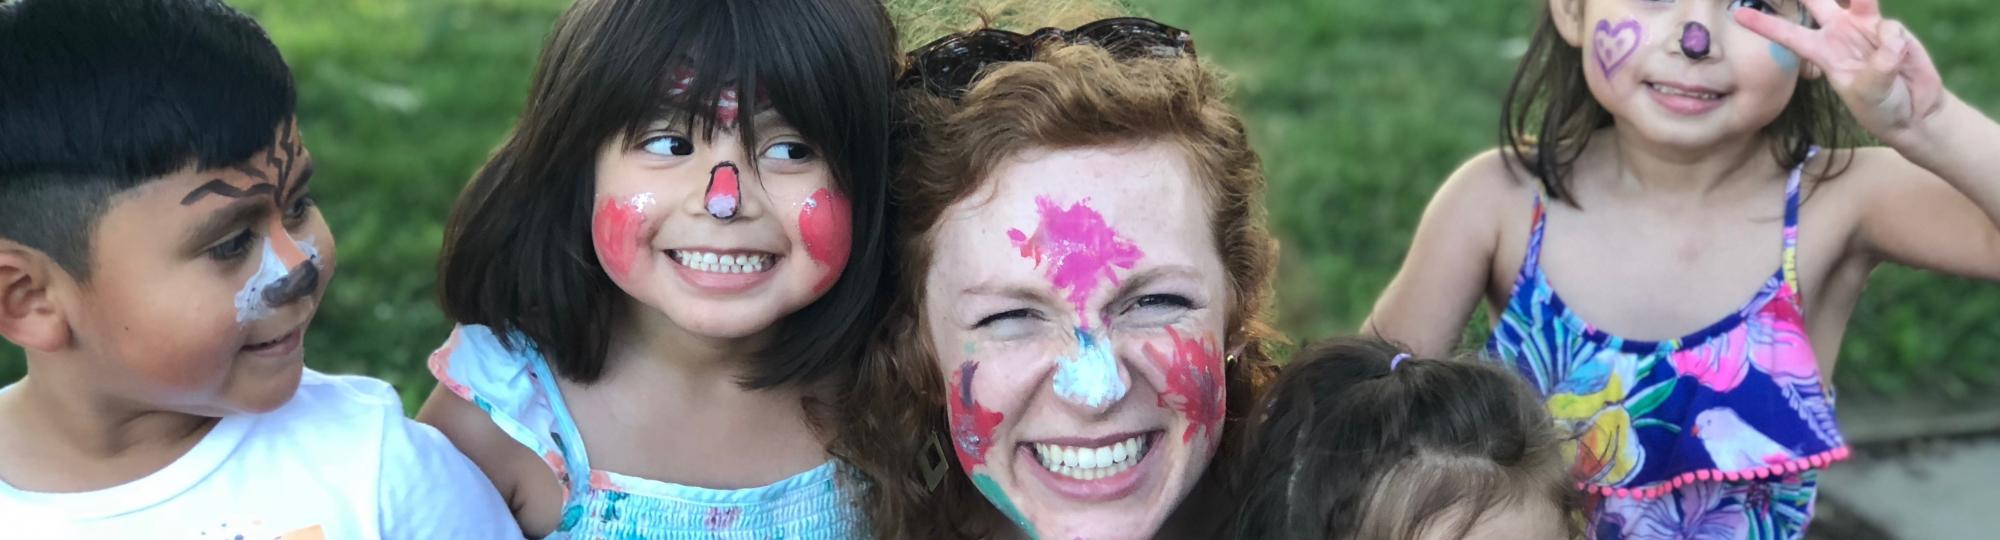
x: 1359, y: 440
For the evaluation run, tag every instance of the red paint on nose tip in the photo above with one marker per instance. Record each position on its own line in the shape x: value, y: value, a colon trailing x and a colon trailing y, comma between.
x: 725, y: 194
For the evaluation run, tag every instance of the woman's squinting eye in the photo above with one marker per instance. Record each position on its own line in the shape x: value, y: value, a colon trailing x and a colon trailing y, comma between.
x: 668, y: 145
x: 989, y: 320
x: 234, y: 248
x: 1011, y: 324
x: 1154, y: 310
x: 789, y: 151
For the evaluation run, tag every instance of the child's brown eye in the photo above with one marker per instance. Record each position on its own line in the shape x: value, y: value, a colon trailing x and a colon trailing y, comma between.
x: 299, y: 207
x: 235, y: 248
x: 1759, y: 5
x: 789, y: 151
x: 668, y: 145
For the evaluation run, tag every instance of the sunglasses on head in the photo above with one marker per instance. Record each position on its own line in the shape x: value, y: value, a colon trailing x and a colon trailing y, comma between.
x: 948, y: 67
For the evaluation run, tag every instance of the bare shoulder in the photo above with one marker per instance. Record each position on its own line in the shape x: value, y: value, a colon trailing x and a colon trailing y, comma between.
x: 1477, y: 196
x: 1489, y: 174
x: 524, y: 480
x: 1475, y: 193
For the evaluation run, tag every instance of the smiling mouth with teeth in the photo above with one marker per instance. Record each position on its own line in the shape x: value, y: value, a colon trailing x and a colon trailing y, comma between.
x: 1671, y: 91
x: 1086, y: 464
x: 723, y: 263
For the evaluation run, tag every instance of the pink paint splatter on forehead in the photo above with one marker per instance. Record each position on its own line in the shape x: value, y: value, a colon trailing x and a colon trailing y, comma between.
x: 1076, y: 249
x: 615, y: 233
x: 826, y: 224
x: 727, y: 106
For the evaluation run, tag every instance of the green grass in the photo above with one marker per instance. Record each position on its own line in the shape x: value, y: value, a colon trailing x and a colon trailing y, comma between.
x: 1360, y: 110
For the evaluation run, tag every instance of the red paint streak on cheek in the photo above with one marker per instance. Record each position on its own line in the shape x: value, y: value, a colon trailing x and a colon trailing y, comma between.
x: 826, y: 223
x: 614, y: 231
x: 972, y: 425
x: 1194, y: 383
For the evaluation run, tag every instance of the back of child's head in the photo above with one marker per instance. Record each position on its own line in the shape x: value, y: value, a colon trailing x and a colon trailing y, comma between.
x: 101, y: 96
x: 518, y: 249
x: 1549, y: 113
x: 1354, y: 442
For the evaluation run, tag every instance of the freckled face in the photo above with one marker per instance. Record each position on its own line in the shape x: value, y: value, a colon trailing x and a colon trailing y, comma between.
x: 1077, y: 305
x: 1636, y: 66
x: 690, y: 229
x: 165, y: 316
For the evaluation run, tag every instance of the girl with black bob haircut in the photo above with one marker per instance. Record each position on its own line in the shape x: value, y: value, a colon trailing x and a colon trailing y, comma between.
x: 667, y: 271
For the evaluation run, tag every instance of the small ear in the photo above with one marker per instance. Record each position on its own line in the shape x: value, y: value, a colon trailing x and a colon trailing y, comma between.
x: 1567, y: 15
x: 29, y: 315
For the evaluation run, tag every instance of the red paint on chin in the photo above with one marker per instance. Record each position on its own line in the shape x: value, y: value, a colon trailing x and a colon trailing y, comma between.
x: 614, y: 232
x: 826, y: 223
x: 972, y: 425
x: 1194, y: 383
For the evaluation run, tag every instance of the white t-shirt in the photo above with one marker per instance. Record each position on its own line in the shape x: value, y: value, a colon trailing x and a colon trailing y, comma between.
x: 338, y: 461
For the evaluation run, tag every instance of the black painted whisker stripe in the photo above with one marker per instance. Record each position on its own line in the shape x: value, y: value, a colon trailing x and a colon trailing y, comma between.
x: 218, y: 187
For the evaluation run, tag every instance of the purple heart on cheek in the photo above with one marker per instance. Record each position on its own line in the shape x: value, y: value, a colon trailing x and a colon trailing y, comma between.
x: 1613, y: 44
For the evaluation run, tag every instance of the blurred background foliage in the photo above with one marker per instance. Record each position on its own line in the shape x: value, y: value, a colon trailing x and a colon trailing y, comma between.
x: 1359, y: 108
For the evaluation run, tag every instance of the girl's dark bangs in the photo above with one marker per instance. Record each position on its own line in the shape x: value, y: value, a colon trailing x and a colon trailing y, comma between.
x: 789, y: 54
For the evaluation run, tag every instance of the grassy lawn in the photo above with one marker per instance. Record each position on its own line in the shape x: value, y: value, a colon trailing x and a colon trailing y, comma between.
x: 1360, y: 109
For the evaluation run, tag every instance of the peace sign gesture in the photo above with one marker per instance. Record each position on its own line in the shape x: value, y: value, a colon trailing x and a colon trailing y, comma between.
x: 1883, y: 74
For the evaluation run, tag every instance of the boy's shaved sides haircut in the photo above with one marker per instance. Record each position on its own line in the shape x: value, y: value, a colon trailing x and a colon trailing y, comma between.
x: 101, y: 96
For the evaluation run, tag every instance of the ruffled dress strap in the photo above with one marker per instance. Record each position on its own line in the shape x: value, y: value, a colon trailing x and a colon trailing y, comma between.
x: 512, y: 382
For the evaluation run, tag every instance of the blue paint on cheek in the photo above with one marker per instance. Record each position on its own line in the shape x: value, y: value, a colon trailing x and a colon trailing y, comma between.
x: 1788, y: 61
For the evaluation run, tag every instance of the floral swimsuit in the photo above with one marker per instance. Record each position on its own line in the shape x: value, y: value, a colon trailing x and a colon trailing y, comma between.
x: 1716, y: 435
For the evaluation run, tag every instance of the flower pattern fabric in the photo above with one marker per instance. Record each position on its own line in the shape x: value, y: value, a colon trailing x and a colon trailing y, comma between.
x: 1717, y: 434
x: 516, y: 387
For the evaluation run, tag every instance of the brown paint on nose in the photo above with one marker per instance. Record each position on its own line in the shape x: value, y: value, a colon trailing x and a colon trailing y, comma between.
x: 300, y: 282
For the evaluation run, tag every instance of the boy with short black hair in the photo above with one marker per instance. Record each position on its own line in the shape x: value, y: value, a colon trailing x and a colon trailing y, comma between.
x: 160, y: 260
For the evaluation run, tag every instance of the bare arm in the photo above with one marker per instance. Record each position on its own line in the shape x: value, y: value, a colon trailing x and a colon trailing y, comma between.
x: 1449, y: 263
x: 524, y: 481
x: 1910, y: 216
x: 1937, y: 204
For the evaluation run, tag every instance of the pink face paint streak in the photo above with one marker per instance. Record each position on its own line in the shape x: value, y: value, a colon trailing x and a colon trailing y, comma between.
x: 1614, y: 44
x: 1194, y: 383
x: 727, y: 107
x: 972, y: 425
x: 724, y: 192
x: 1079, y: 250
x: 614, y: 232
x: 826, y: 223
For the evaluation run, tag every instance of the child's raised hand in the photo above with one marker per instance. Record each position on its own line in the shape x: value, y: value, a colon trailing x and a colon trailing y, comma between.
x: 1883, y: 74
